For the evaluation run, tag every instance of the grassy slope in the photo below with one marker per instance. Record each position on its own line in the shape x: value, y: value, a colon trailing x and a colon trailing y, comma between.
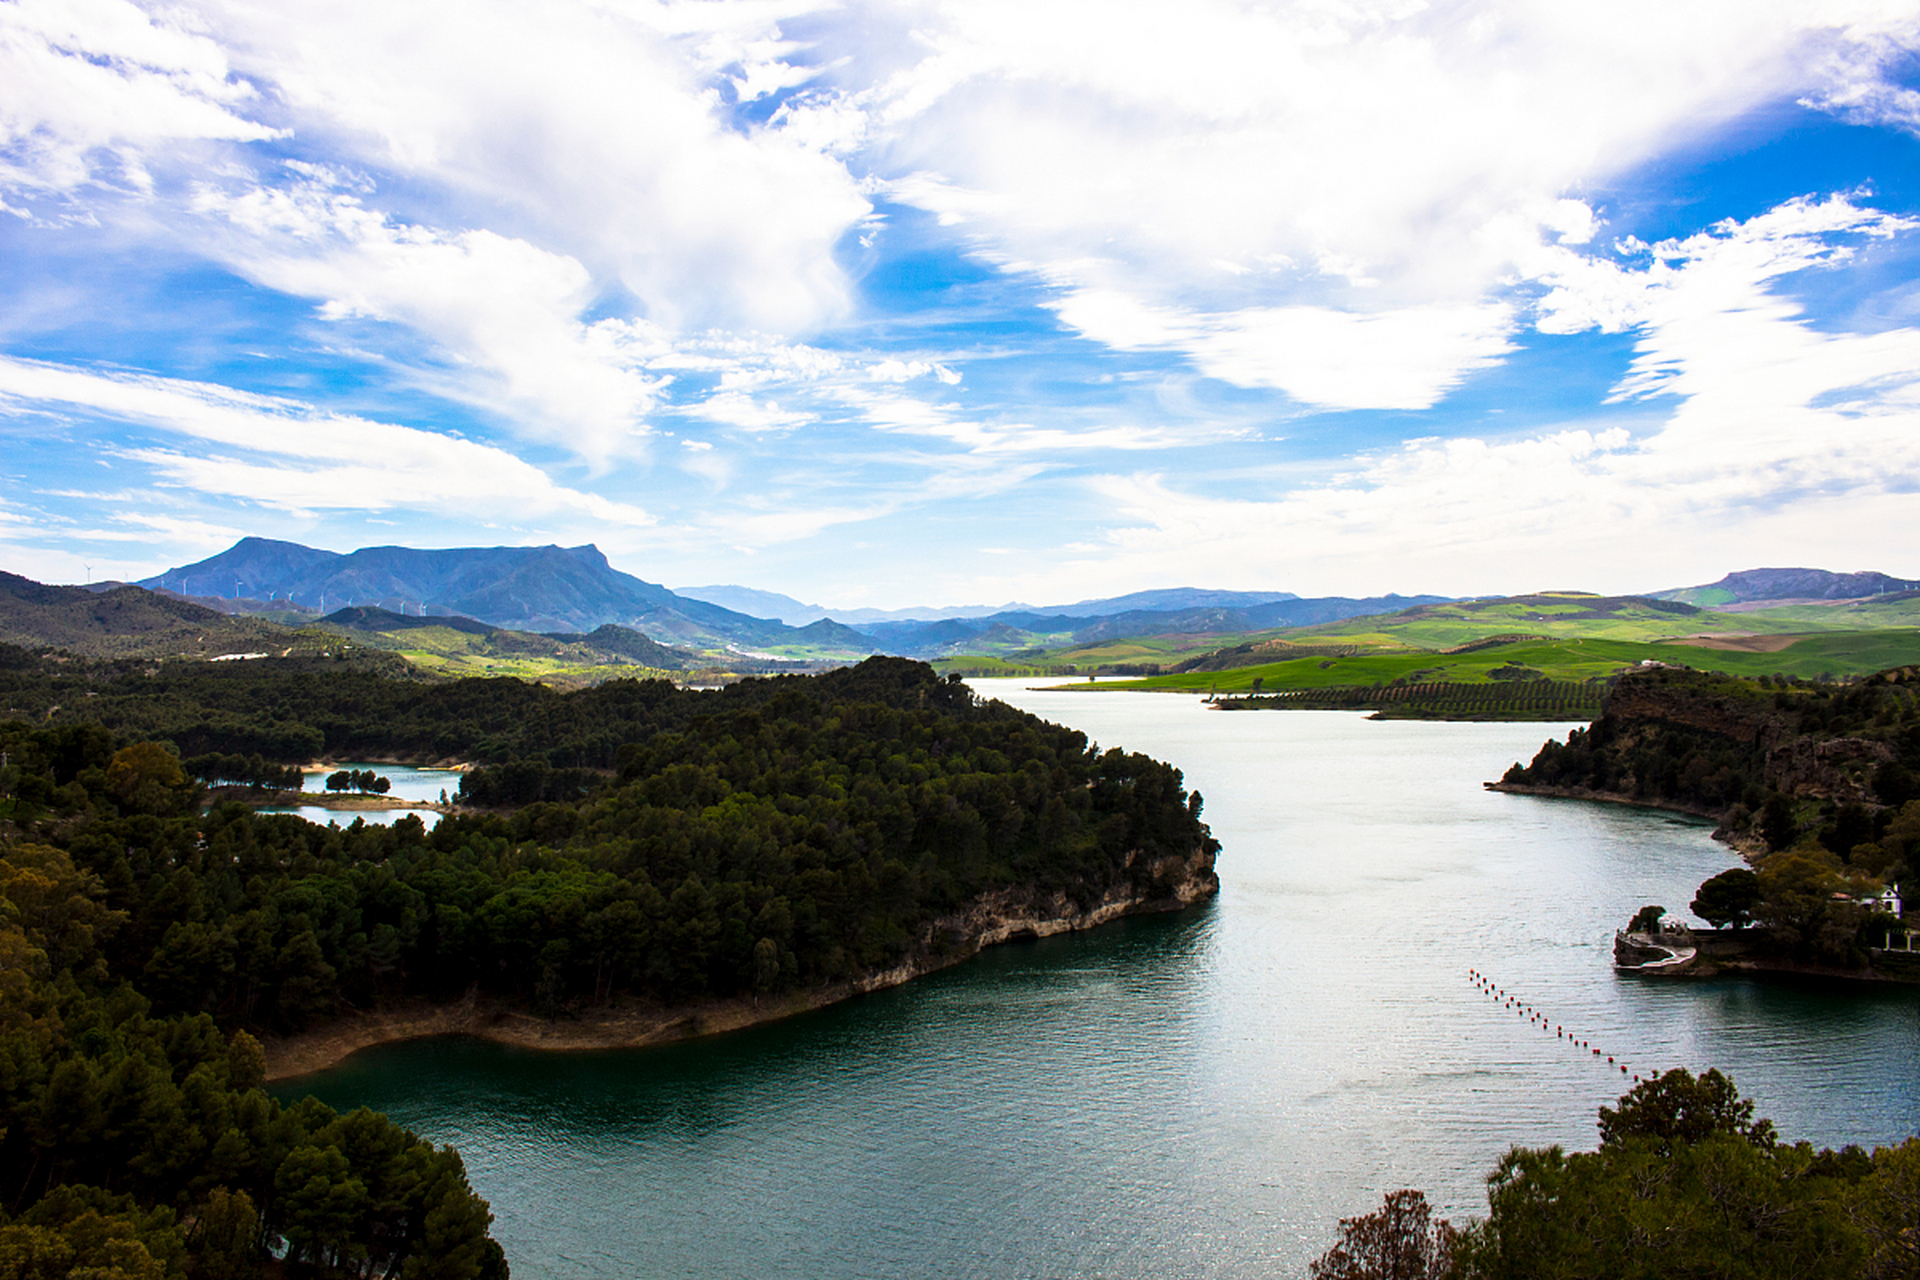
x: 1570, y: 638
x: 449, y: 651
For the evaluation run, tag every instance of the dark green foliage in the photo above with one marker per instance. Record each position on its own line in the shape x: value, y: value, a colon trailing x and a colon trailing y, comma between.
x: 1687, y: 1184
x: 140, y: 1145
x: 1678, y: 1108
x: 832, y: 819
x: 1516, y: 695
x: 1646, y: 920
x: 1782, y: 760
x: 1729, y: 899
x: 674, y: 846
x: 238, y: 770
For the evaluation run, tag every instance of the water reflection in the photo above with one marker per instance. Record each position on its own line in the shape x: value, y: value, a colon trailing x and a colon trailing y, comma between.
x: 346, y: 817
x: 1201, y: 1095
x: 405, y: 781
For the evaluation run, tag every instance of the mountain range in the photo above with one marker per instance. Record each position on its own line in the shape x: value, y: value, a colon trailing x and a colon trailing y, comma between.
x: 544, y: 589
x: 573, y: 591
x: 1787, y: 586
x: 771, y: 604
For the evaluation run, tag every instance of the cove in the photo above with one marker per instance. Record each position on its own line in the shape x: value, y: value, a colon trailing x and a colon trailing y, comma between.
x: 1199, y: 1095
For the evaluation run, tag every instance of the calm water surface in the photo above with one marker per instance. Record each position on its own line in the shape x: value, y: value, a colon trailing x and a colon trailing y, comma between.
x: 1202, y: 1095
x: 322, y: 815
x: 407, y: 782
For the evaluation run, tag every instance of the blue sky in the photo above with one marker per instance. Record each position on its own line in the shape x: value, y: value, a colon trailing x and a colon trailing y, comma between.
x: 881, y: 304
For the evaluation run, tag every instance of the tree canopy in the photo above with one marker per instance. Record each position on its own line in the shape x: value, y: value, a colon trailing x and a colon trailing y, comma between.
x: 1685, y: 1185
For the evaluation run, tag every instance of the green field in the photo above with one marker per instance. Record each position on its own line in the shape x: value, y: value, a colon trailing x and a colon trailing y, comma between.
x: 1521, y: 661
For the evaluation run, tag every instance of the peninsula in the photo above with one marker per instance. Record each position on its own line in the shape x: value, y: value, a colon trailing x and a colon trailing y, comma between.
x: 627, y: 863
x: 1816, y: 783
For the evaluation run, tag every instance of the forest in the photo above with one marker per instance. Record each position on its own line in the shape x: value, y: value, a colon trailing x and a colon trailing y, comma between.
x: 639, y: 843
x: 1686, y: 1184
x: 1818, y: 782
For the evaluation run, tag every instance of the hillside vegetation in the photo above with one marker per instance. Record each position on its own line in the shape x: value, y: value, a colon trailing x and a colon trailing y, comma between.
x: 1547, y: 656
x: 1818, y: 783
x: 645, y: 846
x: 1685, y: 1182
x: 134, y: 623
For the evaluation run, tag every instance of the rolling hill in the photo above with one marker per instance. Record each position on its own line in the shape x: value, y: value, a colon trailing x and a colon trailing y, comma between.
x: 128, y: 622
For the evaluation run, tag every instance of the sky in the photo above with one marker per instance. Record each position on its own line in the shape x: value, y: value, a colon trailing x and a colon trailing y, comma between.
x: 887, y: 304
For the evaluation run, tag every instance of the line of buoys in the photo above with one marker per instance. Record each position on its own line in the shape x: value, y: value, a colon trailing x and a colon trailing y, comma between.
x: 1560, y: 1032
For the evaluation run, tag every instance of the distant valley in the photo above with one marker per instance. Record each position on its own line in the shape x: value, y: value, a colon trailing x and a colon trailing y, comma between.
x: 574, y: 590
x: 565, y: 615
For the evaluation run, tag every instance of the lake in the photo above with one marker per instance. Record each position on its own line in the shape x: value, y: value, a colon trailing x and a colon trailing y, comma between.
x: 1201, y: 1095
x: 321, y: 815
x: 407, y: 782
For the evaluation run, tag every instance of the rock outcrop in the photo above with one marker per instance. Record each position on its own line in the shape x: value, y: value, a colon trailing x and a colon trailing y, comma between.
x: 1007, y: 915
x: 1729, y: 748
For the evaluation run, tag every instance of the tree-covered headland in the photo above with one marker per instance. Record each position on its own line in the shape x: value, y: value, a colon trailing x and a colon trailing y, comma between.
x: 1818, y: 783
x: 631, y: 844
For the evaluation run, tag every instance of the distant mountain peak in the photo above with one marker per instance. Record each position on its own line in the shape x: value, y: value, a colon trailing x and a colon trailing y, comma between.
x: 544, y: 589
x: 1747, y: 586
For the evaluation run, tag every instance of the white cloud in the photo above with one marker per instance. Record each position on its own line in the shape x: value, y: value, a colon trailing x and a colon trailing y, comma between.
x: 736, y: 409
x: 1403, y: 359
x: 893, y: 369
x: 286, y: 455
x: 1775, y: 441
x: 1362, y: 168
x: 595, y: 128
x: 892, y: 412
x: 1723, y: 269
x: 504, y: 306
x: 87, y: 82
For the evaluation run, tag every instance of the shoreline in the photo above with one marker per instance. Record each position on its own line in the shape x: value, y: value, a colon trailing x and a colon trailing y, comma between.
x: 1748, y: 959
x: 988, y: 921
x: 450, y: 764
x: 1740, y: 845
x: 347, y: 803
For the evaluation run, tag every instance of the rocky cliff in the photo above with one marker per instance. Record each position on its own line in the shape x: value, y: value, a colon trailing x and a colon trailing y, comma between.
x: 1776, y: 761
x: 1170, y: 883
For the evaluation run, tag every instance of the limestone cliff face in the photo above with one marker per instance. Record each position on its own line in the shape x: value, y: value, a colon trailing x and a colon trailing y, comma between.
x: 1646, y: 698
x: 1170, y: 883
x: 1008, y: 915
x: 1726, y: 747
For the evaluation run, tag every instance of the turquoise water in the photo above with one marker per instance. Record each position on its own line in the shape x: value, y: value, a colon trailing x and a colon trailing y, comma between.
x: 1201, y: 1095
x: 408, y: 783
x: 345, y: 817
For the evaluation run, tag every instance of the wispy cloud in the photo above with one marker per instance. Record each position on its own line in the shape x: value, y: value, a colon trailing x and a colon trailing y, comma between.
x: 1772, y: 439
x: 502, y: 306
x: 88, y: 86
x: 284, y: 454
